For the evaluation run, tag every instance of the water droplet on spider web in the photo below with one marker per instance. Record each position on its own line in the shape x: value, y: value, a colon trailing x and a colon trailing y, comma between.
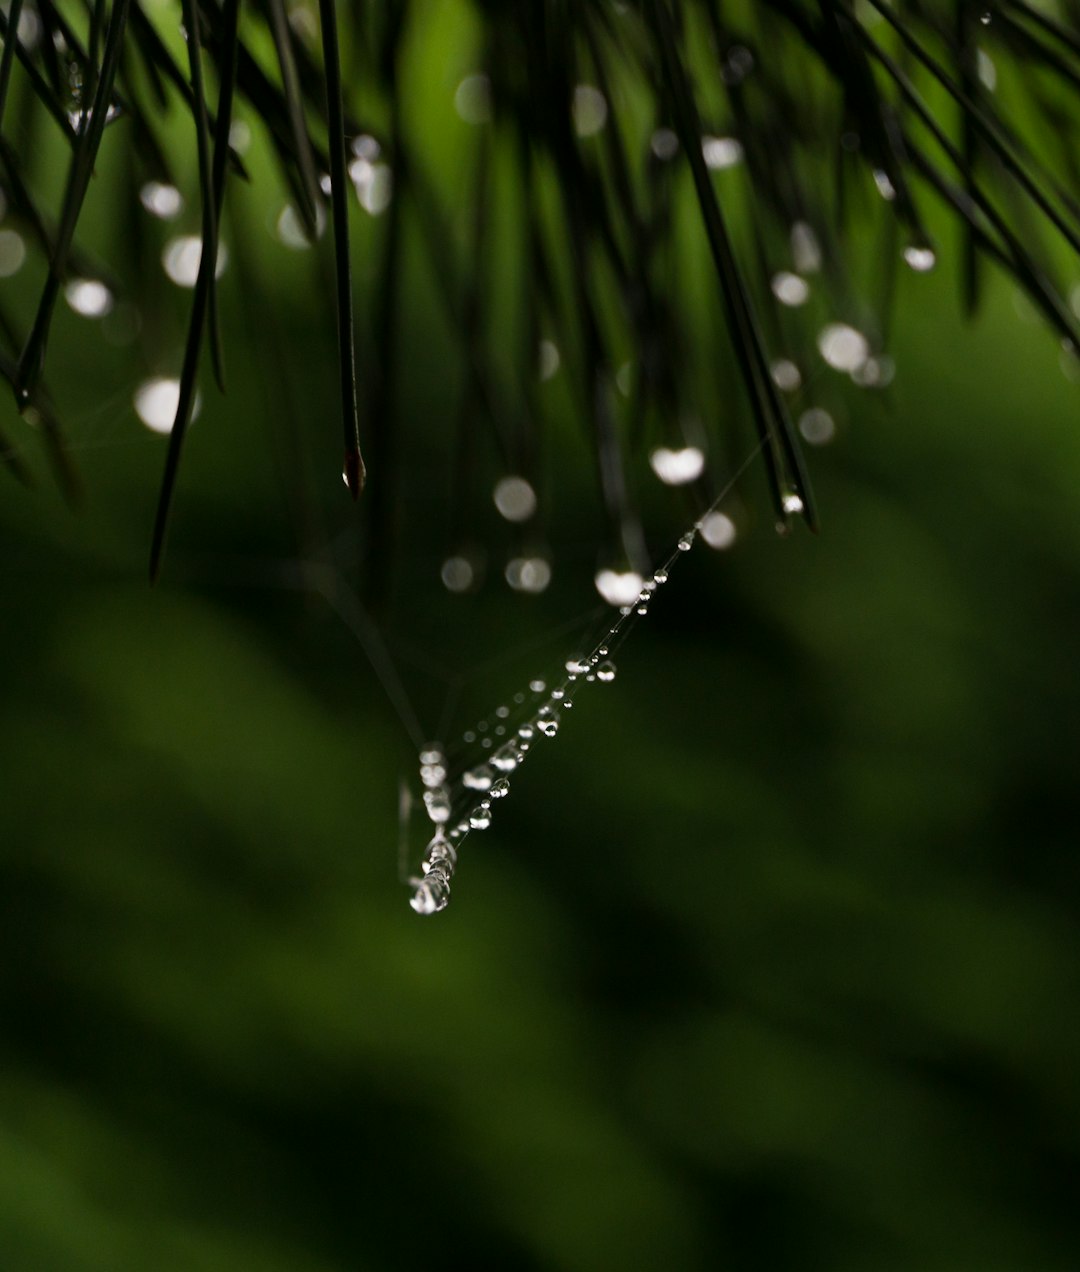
x: 500, y: 789
x: 439, y: 853
x: 687, y: 541
x: 606, y: 671
x: 479, y: 778
x: 547, y: 722
x: 506, y: 758
x: 437, y: 803
x: 432, y: 893
x: 480, y: 817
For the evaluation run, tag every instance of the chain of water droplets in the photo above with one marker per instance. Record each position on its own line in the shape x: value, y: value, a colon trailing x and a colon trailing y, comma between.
x: 458, y: 804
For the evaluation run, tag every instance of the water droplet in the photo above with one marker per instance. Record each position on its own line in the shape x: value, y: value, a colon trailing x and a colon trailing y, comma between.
x: 817, y: 426
x: 549, y: 359
x: 432, y: 893
x: 786, y: 375
x: 479, y: 778
x: 548, y: 725
x: 12, y: 252
x: 791, y: 502
x: 789, y: 289
x: 431, y: 754
x: 432, y: 774
x: 537, y: 686
x: 528, y: 574
x: 88, y: 297
x: 642, y: 609
x: 687, y: 541
x: 472, y: 99
x: 557, y: 695
x: 457, y: 574
x: 500, y: 789
x: 843, y: 347
x: 661, y: 576
x: 156, y: 402
x: 468, y: 736
x: 505, y: 758
x: 884, y: 185
x: 590, y: 110
x: 721, y: 152
x: 515, y: 498
x: 502, y: 712
x: 664, y: 144
x: 164, y: 201
x: 677, y: 467
x: 439, y: 853
x: 182, y: 257
x: 805, y: 248
x: 437, y: 802
x: 606, y: 672
x: 526, y: 732
x: 292, y: 232
x: 619, y: 588
x: 576, y: 666
x: 920, y: 258
x: 480, y: 817
x: 718, y: 530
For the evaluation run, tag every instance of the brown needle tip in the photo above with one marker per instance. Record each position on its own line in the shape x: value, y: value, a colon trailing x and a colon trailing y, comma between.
x: 354, y: 473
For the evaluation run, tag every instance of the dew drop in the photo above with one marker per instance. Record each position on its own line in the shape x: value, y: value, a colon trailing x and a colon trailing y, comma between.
x: 843, y: 347
x: 548, y: 726
x: 537, y: 686
x: 677, y: 467
x: 791, y: 502
x: 439, y: 853
x: 515, y: 498
x: 480, y: 817
x: 687, y: 541
x: 920, y: 258
x: 576, y: 666
x: 817, y: 426
x: 500, y: 789
x: 88, y: 297
x: 432, y: 893
x: 526, y: 732
x: 505, y: 758
x: 606, y: 672
x: 721, y: 152
x: 432, y: 774
x: 437, y: 803
x: 790, y: 289
x: 479, y: 778
x: 618, y: 588
x: 718, y: 530
x: 456, y: 574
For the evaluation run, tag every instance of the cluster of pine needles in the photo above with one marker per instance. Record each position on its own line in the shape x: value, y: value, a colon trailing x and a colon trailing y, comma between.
x: 972, y: 105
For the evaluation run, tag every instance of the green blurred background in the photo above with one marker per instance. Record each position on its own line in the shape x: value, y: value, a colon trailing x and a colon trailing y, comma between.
x: 770, y: 960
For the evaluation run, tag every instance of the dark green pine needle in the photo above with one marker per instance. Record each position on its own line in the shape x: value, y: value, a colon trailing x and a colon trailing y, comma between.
x: 354, y: 471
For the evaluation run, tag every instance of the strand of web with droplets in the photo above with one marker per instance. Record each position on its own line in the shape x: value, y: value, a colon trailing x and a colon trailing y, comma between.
x: 456, y: 806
